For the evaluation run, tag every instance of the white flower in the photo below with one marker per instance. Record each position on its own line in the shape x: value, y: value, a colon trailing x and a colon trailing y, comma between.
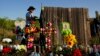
x: 7, y: 40
x: 23, y: 47
x: 17, y: 47
x: 20, y: 47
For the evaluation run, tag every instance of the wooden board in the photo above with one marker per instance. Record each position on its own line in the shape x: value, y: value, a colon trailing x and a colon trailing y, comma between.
x: 77, y: 17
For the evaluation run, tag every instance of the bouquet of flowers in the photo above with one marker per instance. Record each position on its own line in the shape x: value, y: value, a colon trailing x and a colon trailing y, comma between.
x: 6, y: 50
x: 76, y: 52
x: 69, y: 38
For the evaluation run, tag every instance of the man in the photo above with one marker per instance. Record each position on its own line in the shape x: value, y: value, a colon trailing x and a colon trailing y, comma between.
x: 29, y: 15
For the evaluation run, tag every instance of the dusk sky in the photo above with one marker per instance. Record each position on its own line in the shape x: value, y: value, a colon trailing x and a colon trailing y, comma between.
x: 18, y: 8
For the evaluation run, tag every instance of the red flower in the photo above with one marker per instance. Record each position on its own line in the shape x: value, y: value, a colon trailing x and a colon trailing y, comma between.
x: 77, y: 52
x: 30, y: 45
x: 27, y: 30
x: 6, y: 50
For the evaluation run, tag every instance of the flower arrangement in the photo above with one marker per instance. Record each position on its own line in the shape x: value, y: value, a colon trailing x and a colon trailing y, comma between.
x: 76, y: 52
x: 20, y: 47
x: 33, y: 22
x: 48, y: 30
x: 30, y: 45
x: 23, y: 47
x: 48, y: 42
x: 27, y: 30
x: 31, y: 29
x: 69, y: 38
x: 30, y: 39
x: 6, y: 50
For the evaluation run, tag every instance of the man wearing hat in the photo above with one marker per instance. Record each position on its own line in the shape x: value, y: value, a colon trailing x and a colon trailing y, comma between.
x: 29, y: 15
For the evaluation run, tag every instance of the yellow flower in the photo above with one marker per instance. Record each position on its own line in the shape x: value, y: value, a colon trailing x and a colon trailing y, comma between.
x: 70, y: 44
x: 73, y: 38
x: 22, y: 47
x: 30, y: 39
x: 70, y: 40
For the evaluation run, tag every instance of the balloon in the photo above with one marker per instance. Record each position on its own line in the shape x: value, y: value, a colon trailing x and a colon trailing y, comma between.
x: 21, y: 24
x: 17, y: 23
